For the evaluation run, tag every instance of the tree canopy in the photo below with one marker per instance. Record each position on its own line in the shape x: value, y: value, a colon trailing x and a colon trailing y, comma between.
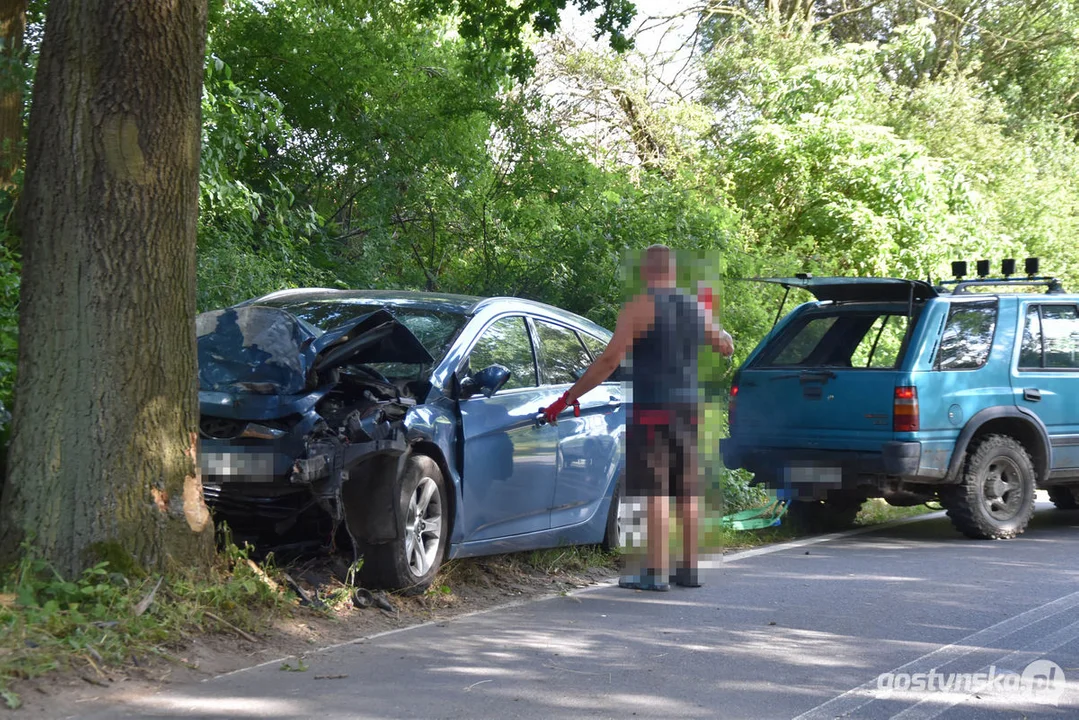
x: 468, y: 146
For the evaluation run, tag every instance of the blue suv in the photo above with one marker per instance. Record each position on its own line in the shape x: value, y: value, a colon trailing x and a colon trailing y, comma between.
x: 964, y: 392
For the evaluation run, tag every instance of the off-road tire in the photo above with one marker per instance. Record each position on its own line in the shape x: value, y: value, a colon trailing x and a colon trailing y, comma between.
x: 832, y: 515
x: 397, y: 565
x: 1063, y: 496
x: 612, y: 535
x: 995, y: 497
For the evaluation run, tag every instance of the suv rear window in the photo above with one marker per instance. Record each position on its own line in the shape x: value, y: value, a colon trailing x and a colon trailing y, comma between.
x: 848, y: 338
x: 968, y: 336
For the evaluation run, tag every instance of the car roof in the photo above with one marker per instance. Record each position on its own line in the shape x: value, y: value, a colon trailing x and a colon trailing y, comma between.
x: 462, y: 304
x: 449, y: 302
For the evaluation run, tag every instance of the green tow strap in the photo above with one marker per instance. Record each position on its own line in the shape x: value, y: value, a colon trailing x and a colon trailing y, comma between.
x: 757, y: 518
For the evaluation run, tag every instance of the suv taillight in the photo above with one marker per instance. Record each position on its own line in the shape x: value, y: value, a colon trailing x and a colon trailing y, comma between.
x: 905, y: 409
x: 730, y: 407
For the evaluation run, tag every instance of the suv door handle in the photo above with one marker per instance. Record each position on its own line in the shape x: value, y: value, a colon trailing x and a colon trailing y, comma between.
x: 1032, y: 394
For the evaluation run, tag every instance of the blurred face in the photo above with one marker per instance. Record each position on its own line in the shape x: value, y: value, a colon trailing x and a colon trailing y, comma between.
x: 657, y: 267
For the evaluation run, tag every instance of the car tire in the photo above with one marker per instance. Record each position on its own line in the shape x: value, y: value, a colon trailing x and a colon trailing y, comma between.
x: 832, y: 515
x: 612, y: 536
x: 1063, y: 496
x: 995, y: 497
x: 409, y: 563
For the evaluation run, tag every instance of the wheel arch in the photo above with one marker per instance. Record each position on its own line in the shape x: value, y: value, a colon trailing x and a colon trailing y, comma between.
x: 1019, y: 423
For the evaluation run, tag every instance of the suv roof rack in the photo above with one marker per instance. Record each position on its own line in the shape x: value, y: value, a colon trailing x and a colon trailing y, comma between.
x: 959, y: 286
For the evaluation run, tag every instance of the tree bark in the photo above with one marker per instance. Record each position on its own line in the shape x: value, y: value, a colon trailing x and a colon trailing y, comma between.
x: 103, y: 454
x: 12, y: 27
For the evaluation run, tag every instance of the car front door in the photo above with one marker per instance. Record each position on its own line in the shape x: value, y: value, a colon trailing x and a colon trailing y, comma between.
x: 1046, y: 379
x: 508, y: 477
x: 589, y: 446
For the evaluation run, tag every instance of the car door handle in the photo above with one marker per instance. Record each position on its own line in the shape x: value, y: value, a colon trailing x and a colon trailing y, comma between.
x: 1032, y: 394
x: 614, y: 401
x: 540, y: 419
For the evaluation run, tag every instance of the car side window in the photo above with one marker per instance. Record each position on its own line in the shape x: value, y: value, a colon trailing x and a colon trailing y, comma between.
x: 562, y: 355
x: 968, y: 336
x: 1050, y: 338
x: 594, y: 344
x: 506, y: 342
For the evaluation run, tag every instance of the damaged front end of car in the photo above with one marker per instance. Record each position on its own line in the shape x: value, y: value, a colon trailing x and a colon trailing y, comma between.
x: 299, y: 433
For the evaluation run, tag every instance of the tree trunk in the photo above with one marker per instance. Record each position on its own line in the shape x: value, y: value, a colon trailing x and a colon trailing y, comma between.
x: 103, y: 455
x: 12, y: 26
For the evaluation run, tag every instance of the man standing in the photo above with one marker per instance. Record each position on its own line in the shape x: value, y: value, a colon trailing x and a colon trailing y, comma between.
x: 662, y: 330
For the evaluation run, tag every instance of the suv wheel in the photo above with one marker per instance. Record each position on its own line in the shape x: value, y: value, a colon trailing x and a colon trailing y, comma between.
x: 410, y: 562
x: 995, y: 498
x: 1063, y: 496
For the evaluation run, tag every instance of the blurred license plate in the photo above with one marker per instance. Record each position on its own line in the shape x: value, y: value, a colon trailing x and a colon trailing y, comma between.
x: 246, y: 466
x: 810, y: 473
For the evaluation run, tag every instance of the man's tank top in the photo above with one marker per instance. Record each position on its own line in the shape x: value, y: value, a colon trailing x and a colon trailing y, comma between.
x: 665, y: 358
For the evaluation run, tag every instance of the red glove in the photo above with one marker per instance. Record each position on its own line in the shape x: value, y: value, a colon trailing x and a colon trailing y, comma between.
x: 704, y: 296
x: 551, y: 413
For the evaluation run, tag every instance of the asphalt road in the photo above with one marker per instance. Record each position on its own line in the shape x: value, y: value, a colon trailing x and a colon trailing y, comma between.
x: 872, y: 625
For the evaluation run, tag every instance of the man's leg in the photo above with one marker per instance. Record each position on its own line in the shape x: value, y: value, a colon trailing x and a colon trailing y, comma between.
x: 659, y: 534
x: 657, y: 463
x: 688, y: 491
x: 690, y: 518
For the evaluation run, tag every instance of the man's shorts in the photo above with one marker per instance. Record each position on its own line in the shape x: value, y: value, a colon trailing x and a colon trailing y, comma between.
x: 661, y: 445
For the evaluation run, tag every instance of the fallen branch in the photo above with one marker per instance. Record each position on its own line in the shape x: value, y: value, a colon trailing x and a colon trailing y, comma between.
x: 145, y: 602
x: 261, y: 575
x: 245, y: 635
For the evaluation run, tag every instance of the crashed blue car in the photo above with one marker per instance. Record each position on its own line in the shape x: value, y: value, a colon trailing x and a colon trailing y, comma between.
x: 408, y: 422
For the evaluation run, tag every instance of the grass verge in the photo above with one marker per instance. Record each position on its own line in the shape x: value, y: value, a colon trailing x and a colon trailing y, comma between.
x: 106, y: 618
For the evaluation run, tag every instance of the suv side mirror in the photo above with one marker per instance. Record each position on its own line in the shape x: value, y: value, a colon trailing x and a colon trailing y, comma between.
x: 487, y: 381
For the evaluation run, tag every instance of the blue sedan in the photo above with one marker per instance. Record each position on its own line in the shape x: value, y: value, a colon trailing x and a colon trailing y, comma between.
x: 411, y: 421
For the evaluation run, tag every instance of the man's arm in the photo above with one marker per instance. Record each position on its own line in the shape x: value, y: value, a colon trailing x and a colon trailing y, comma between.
x: 718, y: 338
x: 634, y: 320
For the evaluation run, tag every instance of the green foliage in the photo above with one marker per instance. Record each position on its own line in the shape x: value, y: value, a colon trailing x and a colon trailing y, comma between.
x: 9, y: 321
x: 104, y: 617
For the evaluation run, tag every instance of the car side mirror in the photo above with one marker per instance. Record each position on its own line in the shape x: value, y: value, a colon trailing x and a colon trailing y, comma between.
x: 467, y: 387
x: 488, y: 380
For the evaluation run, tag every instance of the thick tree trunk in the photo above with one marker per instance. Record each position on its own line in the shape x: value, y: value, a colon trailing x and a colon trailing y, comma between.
x: 103, y: 453
x: 12, y: 26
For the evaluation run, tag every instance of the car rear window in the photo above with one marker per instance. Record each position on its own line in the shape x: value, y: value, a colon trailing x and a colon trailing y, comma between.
x: 845, y: 337
x: 968, y: 336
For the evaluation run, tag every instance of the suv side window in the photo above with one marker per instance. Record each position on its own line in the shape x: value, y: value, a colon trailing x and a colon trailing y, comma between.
x: 1050, y: 338
x: 506, y: 342
x: 563, y: 357
x: 968, y: 336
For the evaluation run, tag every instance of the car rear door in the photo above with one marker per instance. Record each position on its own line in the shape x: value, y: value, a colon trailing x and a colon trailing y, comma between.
x: 589, y: 446
x: 508, y: 478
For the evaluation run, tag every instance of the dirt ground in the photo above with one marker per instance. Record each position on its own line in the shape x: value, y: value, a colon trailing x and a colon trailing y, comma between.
x: 462, y: 587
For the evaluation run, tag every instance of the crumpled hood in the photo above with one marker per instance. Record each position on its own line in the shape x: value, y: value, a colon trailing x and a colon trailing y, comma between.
x: 268, y: 351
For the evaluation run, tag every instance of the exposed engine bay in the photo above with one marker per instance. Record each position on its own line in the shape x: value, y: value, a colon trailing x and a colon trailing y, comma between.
x: 289, y: 420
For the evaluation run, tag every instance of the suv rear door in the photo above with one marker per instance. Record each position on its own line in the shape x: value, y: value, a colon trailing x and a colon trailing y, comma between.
x: 826, y: 378
x: 1046, y: 378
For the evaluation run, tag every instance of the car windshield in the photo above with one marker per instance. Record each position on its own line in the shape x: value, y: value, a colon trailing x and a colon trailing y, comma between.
x: 842, y: 337
x: 435, y: 329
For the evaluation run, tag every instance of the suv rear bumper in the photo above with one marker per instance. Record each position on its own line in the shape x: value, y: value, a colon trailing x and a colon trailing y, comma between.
x: 782, y: 465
